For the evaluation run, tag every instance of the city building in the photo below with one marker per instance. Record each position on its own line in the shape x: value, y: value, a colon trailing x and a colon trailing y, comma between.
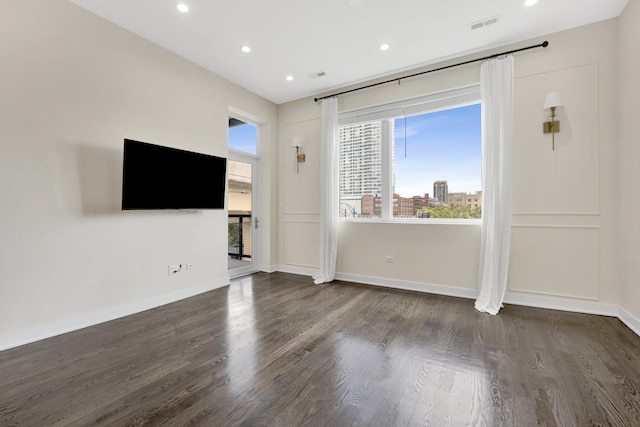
x: 360, y: 164
x: 473, y: 199
x: 402, y: 206
x: 466, y: 199
x: 441, y: 191
x: 420, y: 202
x: 371, y: 205
x: 457, y: 199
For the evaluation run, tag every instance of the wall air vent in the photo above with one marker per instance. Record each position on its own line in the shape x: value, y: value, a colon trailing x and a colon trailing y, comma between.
x: 316, y: 75
x: 484, y: 23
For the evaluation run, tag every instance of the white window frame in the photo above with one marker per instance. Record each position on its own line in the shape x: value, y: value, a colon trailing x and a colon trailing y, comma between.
x: 433, y: 102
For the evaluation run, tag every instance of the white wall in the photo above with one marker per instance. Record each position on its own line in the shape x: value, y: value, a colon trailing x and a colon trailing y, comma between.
x: 564, y: 205
x: 629, y: 92
x: 72, y: 87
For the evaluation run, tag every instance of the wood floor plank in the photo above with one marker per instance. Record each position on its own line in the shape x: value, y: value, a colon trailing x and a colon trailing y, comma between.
x: 277, y: 350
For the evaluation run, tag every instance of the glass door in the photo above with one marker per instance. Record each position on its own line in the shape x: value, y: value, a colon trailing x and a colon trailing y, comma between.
x: 244, y: 221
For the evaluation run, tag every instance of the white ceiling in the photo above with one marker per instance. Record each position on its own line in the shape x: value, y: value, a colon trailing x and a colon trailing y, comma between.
x: 300, y: 37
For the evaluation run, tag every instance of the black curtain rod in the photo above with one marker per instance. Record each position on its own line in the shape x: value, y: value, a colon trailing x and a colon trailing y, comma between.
x: 543, y: 44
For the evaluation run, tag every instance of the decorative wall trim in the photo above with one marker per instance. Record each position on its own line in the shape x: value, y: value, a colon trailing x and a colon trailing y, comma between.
x: 300, y: 232
x: 69, y: 325
x: 558, y: 296
x: 593, y: 86
x: 410, y: 286
x: 570, y: 226
x: 562, y: 295
x: 562, y: 304
x: 555, y: 213
x: 630, y: 320
x: 298, y: 269
x: 302, y: 213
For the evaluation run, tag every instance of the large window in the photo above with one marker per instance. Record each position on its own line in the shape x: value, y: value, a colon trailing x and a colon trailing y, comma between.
x: 416, y: 159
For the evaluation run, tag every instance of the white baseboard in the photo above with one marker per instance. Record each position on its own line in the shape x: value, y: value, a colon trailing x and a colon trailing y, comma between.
x: 268, y: 268
x: 296, y: 269
x: 630, y: 320
x: 562, y: 304
x: 410, y: 286
x: 68, y: 325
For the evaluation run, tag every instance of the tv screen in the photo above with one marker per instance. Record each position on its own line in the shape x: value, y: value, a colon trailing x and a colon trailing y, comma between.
x: 157, y: 177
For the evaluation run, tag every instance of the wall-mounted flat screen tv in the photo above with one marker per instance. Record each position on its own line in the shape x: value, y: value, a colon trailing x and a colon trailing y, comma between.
x: 157, y: 177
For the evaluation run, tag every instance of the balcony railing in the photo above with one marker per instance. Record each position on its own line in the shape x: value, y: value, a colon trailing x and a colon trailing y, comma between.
x: 240, y: 236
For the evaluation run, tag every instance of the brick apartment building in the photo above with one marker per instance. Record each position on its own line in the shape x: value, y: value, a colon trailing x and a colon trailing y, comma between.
x: 402, y: 206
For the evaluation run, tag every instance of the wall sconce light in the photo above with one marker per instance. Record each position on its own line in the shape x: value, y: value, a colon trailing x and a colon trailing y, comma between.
x: 552, y: 102
x: 300, y: 157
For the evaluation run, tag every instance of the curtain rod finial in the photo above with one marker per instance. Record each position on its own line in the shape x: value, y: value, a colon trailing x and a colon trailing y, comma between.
x: 545, y: 43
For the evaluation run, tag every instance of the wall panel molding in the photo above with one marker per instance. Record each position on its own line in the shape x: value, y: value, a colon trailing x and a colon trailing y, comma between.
x: 555, y: 260
x: 296, y: 237
x: 555, y: 214
x: 303, y: 270
x: 565, y: 181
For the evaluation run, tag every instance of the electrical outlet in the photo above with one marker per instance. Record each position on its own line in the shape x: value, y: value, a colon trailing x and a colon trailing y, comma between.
x: 190, y: 266
x: 388, y: 258
x: 174, y: 269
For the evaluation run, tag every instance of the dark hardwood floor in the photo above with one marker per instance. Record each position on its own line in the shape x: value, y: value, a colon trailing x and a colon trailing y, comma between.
x: 274, y: 349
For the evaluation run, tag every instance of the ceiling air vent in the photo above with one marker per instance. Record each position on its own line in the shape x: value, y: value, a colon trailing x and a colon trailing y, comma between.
x: 316, y: 74
x: 484, y: 23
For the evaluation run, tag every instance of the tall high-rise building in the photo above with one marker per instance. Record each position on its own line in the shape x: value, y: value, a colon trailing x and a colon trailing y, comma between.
x: 441, y: 191
x: 360, y: 159
x: 360, y: 163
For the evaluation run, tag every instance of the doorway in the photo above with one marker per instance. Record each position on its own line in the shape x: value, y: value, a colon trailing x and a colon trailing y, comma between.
x: 243, y: 237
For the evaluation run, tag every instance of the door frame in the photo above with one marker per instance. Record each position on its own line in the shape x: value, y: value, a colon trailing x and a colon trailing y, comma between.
x: 254, y: 160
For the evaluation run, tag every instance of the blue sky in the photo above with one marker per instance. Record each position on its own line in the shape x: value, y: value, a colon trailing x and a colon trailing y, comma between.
x: 243, y: 138
x: 443, y: 145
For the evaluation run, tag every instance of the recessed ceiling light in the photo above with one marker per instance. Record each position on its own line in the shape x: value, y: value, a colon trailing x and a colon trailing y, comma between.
x: 182, y: 7
x: 289, y: 78
x: 530, y: 2
x: 384, y: 46
x: 246, y: 49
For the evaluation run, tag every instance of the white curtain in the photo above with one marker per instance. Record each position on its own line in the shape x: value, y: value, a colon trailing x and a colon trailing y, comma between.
x: 496, y: 87
x: 329, y: 197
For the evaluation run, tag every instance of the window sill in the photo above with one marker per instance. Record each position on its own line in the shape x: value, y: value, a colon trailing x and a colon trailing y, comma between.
x: 420, y: 221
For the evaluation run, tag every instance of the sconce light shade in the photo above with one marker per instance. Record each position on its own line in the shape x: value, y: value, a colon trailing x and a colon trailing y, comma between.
x: 300, y: 157
x: 553, y: 100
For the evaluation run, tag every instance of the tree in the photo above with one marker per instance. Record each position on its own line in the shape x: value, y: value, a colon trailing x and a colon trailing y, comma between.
x: 234, y: 234
x: 453, y: 211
